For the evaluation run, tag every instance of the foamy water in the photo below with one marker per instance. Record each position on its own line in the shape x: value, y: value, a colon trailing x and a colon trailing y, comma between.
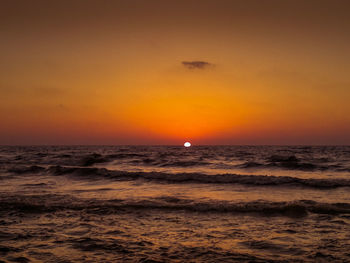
x: 174, y: 204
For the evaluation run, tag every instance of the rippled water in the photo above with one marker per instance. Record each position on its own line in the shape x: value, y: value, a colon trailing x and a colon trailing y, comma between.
x: 174, y: 204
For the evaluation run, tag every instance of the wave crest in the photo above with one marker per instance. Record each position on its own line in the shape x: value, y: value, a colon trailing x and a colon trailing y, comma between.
x: 257, y: 180
x: 52, y: 203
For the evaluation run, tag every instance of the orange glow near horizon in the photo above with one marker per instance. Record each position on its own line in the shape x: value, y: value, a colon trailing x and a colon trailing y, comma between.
x: 219, y: 72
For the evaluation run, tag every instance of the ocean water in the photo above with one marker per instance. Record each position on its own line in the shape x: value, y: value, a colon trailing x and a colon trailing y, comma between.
x: 174, y: 204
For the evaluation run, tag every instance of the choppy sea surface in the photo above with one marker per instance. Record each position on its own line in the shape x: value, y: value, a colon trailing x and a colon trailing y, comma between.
x: 174, y: 204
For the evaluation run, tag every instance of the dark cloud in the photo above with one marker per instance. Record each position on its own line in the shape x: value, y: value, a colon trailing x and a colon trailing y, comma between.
x: 196, y: 64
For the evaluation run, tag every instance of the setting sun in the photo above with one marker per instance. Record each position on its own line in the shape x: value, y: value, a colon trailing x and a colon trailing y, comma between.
x: 187, y: 144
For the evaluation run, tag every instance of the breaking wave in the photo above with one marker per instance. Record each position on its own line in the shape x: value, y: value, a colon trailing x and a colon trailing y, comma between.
x: 94, y: 173
x: 53, y: 203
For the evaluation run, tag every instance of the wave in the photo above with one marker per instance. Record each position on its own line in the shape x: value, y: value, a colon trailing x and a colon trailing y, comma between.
x: 289, y: 162
x: 183, y: 163
x: 53, y: 203
x: 26, y: 169
x: 256, y: 180
x: 94, y: 173
x: 294, y: 163
x: 268, y: 158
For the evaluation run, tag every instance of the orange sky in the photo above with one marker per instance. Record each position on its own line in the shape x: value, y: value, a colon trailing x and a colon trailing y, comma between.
x: 112, y: 72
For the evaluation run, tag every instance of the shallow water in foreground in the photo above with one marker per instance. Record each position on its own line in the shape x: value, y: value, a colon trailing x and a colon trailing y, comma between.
x: 171, y: 204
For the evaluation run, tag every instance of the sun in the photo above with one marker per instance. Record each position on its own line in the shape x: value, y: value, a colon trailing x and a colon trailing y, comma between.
x: 187, y: 144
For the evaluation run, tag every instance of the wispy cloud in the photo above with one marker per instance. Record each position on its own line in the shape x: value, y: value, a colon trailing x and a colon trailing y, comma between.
x: 196, y: 64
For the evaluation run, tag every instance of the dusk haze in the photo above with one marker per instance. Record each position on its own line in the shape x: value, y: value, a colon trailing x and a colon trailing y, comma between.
x: 158, y: 72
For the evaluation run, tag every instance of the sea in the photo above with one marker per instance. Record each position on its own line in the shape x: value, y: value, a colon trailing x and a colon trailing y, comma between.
x: 174, y: 204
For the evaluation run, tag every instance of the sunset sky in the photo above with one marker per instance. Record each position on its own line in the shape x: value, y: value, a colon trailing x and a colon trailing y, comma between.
x: 165, y: 72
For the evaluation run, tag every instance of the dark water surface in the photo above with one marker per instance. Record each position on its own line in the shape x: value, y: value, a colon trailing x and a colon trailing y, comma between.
x: 175, y: 204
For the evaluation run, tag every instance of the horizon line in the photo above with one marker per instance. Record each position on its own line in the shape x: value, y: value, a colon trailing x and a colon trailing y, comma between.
x: 171, y: 145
